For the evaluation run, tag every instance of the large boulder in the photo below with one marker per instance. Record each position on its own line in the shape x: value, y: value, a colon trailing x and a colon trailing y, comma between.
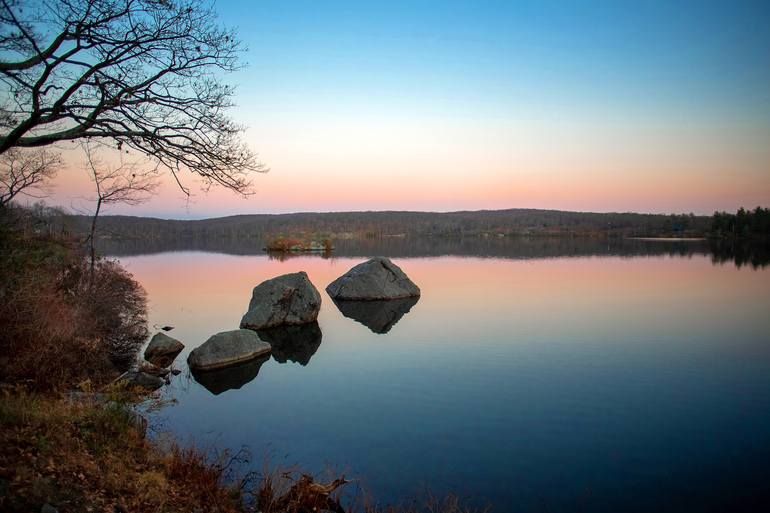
x: 162, y: 350
x: 226, y: 349
x: 286, y: 300
x: 378, y: 278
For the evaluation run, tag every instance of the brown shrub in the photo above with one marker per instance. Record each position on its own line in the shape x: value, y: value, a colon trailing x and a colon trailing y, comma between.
x: 112, y: 306
x: 208, y: 482
x: 61, y: 326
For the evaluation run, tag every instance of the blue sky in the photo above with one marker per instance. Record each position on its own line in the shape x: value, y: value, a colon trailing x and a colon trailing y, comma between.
x: 603, y: 106
x: 691, y: 57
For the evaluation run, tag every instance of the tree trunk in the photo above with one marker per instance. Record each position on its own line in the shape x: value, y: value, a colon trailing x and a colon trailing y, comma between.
x: 91, y: 245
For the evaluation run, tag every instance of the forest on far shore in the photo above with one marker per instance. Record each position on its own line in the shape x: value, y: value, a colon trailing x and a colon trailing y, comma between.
x: 342, y: 225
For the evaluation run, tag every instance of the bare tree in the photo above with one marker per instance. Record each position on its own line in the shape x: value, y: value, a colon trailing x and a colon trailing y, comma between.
x: 26, y: 172
x: 143, y: 73
x: 123, y: 183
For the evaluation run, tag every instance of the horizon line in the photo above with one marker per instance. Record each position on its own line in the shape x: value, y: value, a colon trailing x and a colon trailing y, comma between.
x: 392, y: 211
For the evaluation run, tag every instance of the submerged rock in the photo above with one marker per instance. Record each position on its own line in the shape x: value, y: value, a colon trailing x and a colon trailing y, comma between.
x: 285, y: 300
x: 139, y: 379
x: 379, y: 315
x: 221, y: 380
x: 162, y: 350
x: 226, y: 349
x: 378, y: 278
x: 295, y: 343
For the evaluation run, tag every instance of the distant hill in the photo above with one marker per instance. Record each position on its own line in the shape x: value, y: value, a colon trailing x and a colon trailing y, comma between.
x: 346, y: 225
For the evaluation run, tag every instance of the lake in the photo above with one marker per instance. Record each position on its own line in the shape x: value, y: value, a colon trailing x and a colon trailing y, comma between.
x: 531, y: 375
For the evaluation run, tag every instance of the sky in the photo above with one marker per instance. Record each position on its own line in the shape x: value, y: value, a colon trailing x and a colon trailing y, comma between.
x: 441, y: 106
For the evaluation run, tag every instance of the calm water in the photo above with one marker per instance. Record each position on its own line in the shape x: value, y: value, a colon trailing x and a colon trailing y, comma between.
x: 598, y: 380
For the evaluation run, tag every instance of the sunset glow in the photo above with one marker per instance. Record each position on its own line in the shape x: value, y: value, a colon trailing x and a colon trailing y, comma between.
x: 452, y: 106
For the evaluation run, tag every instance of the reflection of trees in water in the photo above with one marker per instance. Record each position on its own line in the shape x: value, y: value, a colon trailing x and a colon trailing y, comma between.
x: 282, y: 256
x: 741, y: 252
x: 755, y: 254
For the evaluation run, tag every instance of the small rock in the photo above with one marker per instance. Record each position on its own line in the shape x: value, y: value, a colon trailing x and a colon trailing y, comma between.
x: 47, y: 508
x: 162, y: 350
x: 153, y: 369
x: 138, y: 379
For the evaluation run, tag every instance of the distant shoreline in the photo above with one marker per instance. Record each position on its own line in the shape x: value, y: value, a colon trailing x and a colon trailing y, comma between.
x: 394, y: 225
x: 669, y: 239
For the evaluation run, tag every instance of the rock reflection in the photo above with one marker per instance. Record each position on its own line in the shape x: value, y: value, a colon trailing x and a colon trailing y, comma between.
x: 229, y: 378
x: 295, y: 343
x: 379, y: 316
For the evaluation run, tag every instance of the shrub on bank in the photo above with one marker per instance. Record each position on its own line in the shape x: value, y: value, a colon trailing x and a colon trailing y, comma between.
x: 61, y: 323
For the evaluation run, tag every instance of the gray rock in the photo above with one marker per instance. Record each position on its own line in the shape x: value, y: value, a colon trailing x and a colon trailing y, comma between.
x: 47, y: 508
x: 153, y: 369
x: 285, y: 300
x: 138, y: 379
x: 227, y: 348
x: 378, y: 278
x: 162, y: 349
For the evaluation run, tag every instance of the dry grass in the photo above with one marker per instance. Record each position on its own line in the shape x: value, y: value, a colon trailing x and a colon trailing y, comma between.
x: 61, y: 326
x: 292, y: 491
x: 84, y: 457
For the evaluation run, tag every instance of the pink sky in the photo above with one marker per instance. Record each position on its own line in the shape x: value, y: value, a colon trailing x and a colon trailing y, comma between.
x: 447, y: 164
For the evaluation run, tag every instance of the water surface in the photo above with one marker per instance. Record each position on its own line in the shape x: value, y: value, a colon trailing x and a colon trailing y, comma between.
x: 535, y: 380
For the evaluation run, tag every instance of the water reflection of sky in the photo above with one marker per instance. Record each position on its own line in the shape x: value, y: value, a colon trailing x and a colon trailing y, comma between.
x: 541, y: 384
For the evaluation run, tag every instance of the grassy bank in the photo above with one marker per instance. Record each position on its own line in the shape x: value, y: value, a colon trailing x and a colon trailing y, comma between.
x: 81, y: 456
x: 68, y: 329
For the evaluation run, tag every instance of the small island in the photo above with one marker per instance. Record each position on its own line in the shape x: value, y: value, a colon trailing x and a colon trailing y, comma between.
x: 299, y: 244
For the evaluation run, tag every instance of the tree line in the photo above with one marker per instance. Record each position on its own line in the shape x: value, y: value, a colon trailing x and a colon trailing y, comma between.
x: 361, y: 225
x: 743, y: 224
